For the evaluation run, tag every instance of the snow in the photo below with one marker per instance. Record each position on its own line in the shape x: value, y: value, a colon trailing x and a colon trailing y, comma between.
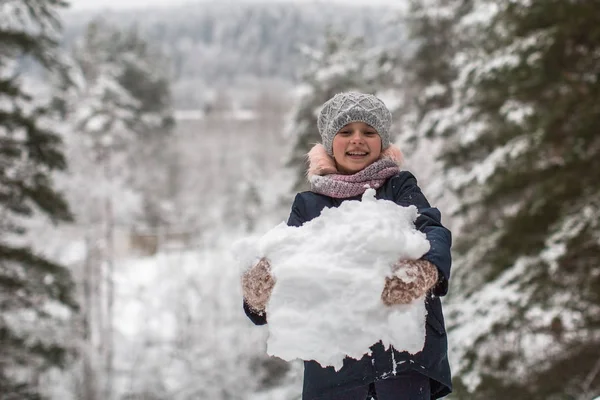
x: 433, y: 90
x: 482, y: 171
x: 495, y: 302
x: 136, y: 4
x: 189, y: 115
x: 330, y: 273
x: 392, y: 100
x: 177, y: 315
x: 334, y: 71
x: 516, y: 112
x: 488, y: 306
x: 483, y: 14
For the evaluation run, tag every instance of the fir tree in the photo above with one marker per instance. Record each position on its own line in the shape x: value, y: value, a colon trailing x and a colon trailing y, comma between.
x: 124, y: 103
x: 35, y: 293
x: 119, y: 114
x: 429, y: 73
x: 523, y: 154
x: 429, y: 66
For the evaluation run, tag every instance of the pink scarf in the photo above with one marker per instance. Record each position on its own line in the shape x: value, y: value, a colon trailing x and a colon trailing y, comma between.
x: 325, y: 179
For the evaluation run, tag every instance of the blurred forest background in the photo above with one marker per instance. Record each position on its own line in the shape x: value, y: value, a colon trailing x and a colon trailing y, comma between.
x: 137, y: 146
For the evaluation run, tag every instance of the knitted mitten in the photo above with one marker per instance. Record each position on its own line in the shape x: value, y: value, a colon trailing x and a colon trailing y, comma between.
x: 257, y: 285
x: 411, y: 279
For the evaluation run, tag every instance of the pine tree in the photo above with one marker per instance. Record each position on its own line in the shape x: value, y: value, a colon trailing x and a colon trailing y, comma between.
x: 427, y: 90
x: 429, y: 64
x: 35, y: 293
x: 429, y: 67
x: 523, y: 154
x: 120, y: 121
x: 144, y: 75
x: 128, y: 104
x: 343, y: 64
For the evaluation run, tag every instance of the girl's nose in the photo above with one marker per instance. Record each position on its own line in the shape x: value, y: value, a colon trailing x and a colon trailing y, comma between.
x: 356, y: 137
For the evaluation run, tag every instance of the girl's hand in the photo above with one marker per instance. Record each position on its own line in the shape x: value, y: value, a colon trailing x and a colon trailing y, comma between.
x: 257, y: 285
x: 411, y: 280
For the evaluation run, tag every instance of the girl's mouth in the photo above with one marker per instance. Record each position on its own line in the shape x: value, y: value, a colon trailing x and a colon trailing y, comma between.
x: 357, y: 154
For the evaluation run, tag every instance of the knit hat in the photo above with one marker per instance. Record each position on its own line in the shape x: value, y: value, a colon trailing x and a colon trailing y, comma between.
x: 344, y: 108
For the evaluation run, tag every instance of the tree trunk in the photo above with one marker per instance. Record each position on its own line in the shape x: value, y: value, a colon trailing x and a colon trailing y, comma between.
x: 110, y: 289
x: 88, y: 389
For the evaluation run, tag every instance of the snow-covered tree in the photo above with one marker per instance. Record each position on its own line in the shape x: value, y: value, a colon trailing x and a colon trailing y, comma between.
x: 522, y: 154
x: 36, y: 293
x: 343, y: 64
x: 145, y: 75
x: 118, y: 122
x: 127, y: 108
x: 429, y: 66
x: 428, y: 74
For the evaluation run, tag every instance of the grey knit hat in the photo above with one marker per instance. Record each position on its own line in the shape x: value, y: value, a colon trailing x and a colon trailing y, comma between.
x: 344, y: 108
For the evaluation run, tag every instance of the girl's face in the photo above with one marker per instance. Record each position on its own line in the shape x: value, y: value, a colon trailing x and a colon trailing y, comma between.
x: 356, y: 146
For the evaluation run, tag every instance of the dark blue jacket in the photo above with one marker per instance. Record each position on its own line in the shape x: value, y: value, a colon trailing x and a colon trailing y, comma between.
x: 353, y: 379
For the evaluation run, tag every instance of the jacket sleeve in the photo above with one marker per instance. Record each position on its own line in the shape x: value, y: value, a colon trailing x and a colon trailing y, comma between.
x: 256, y: 317
x: 429, y: 222
x: 296, y: 218
x: 297, y: 215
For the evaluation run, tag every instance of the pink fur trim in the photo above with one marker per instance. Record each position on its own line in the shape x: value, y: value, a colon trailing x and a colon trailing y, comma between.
x: 393, y: 153
x: 320, y: 163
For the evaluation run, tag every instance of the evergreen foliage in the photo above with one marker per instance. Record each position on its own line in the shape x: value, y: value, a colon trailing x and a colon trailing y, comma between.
x: 214, y: 46
x: 429, y: 65
x: 36, y: 294
x: 522, y: 150
x: 123, y: 106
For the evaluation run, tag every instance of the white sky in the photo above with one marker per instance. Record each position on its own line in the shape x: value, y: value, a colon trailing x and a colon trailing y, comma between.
x: 124, y: 4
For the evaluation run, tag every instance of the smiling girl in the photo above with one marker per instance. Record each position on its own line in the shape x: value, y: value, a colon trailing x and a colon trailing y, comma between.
x: 356, y: 154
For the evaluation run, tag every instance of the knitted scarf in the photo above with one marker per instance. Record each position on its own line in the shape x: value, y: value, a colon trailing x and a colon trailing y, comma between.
x: 329, y: 182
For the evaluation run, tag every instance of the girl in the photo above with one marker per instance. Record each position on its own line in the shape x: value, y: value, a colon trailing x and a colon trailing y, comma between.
x: 356, y: 153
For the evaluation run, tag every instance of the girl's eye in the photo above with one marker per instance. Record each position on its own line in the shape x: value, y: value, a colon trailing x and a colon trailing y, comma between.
x: 370, y: 133
x: 344, y: 132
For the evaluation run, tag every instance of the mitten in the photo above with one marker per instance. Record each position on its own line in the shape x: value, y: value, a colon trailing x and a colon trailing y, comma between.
x: 411, y: 279
x: 257, y: 285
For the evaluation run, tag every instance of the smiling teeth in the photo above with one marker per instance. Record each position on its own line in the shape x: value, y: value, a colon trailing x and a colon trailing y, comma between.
x: 357, y: 154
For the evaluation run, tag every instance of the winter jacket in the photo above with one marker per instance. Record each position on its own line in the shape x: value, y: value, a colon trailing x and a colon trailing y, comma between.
x: 352, y: 380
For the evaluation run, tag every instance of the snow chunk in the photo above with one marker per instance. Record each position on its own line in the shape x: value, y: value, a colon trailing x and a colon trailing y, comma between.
x: 330, y: 273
